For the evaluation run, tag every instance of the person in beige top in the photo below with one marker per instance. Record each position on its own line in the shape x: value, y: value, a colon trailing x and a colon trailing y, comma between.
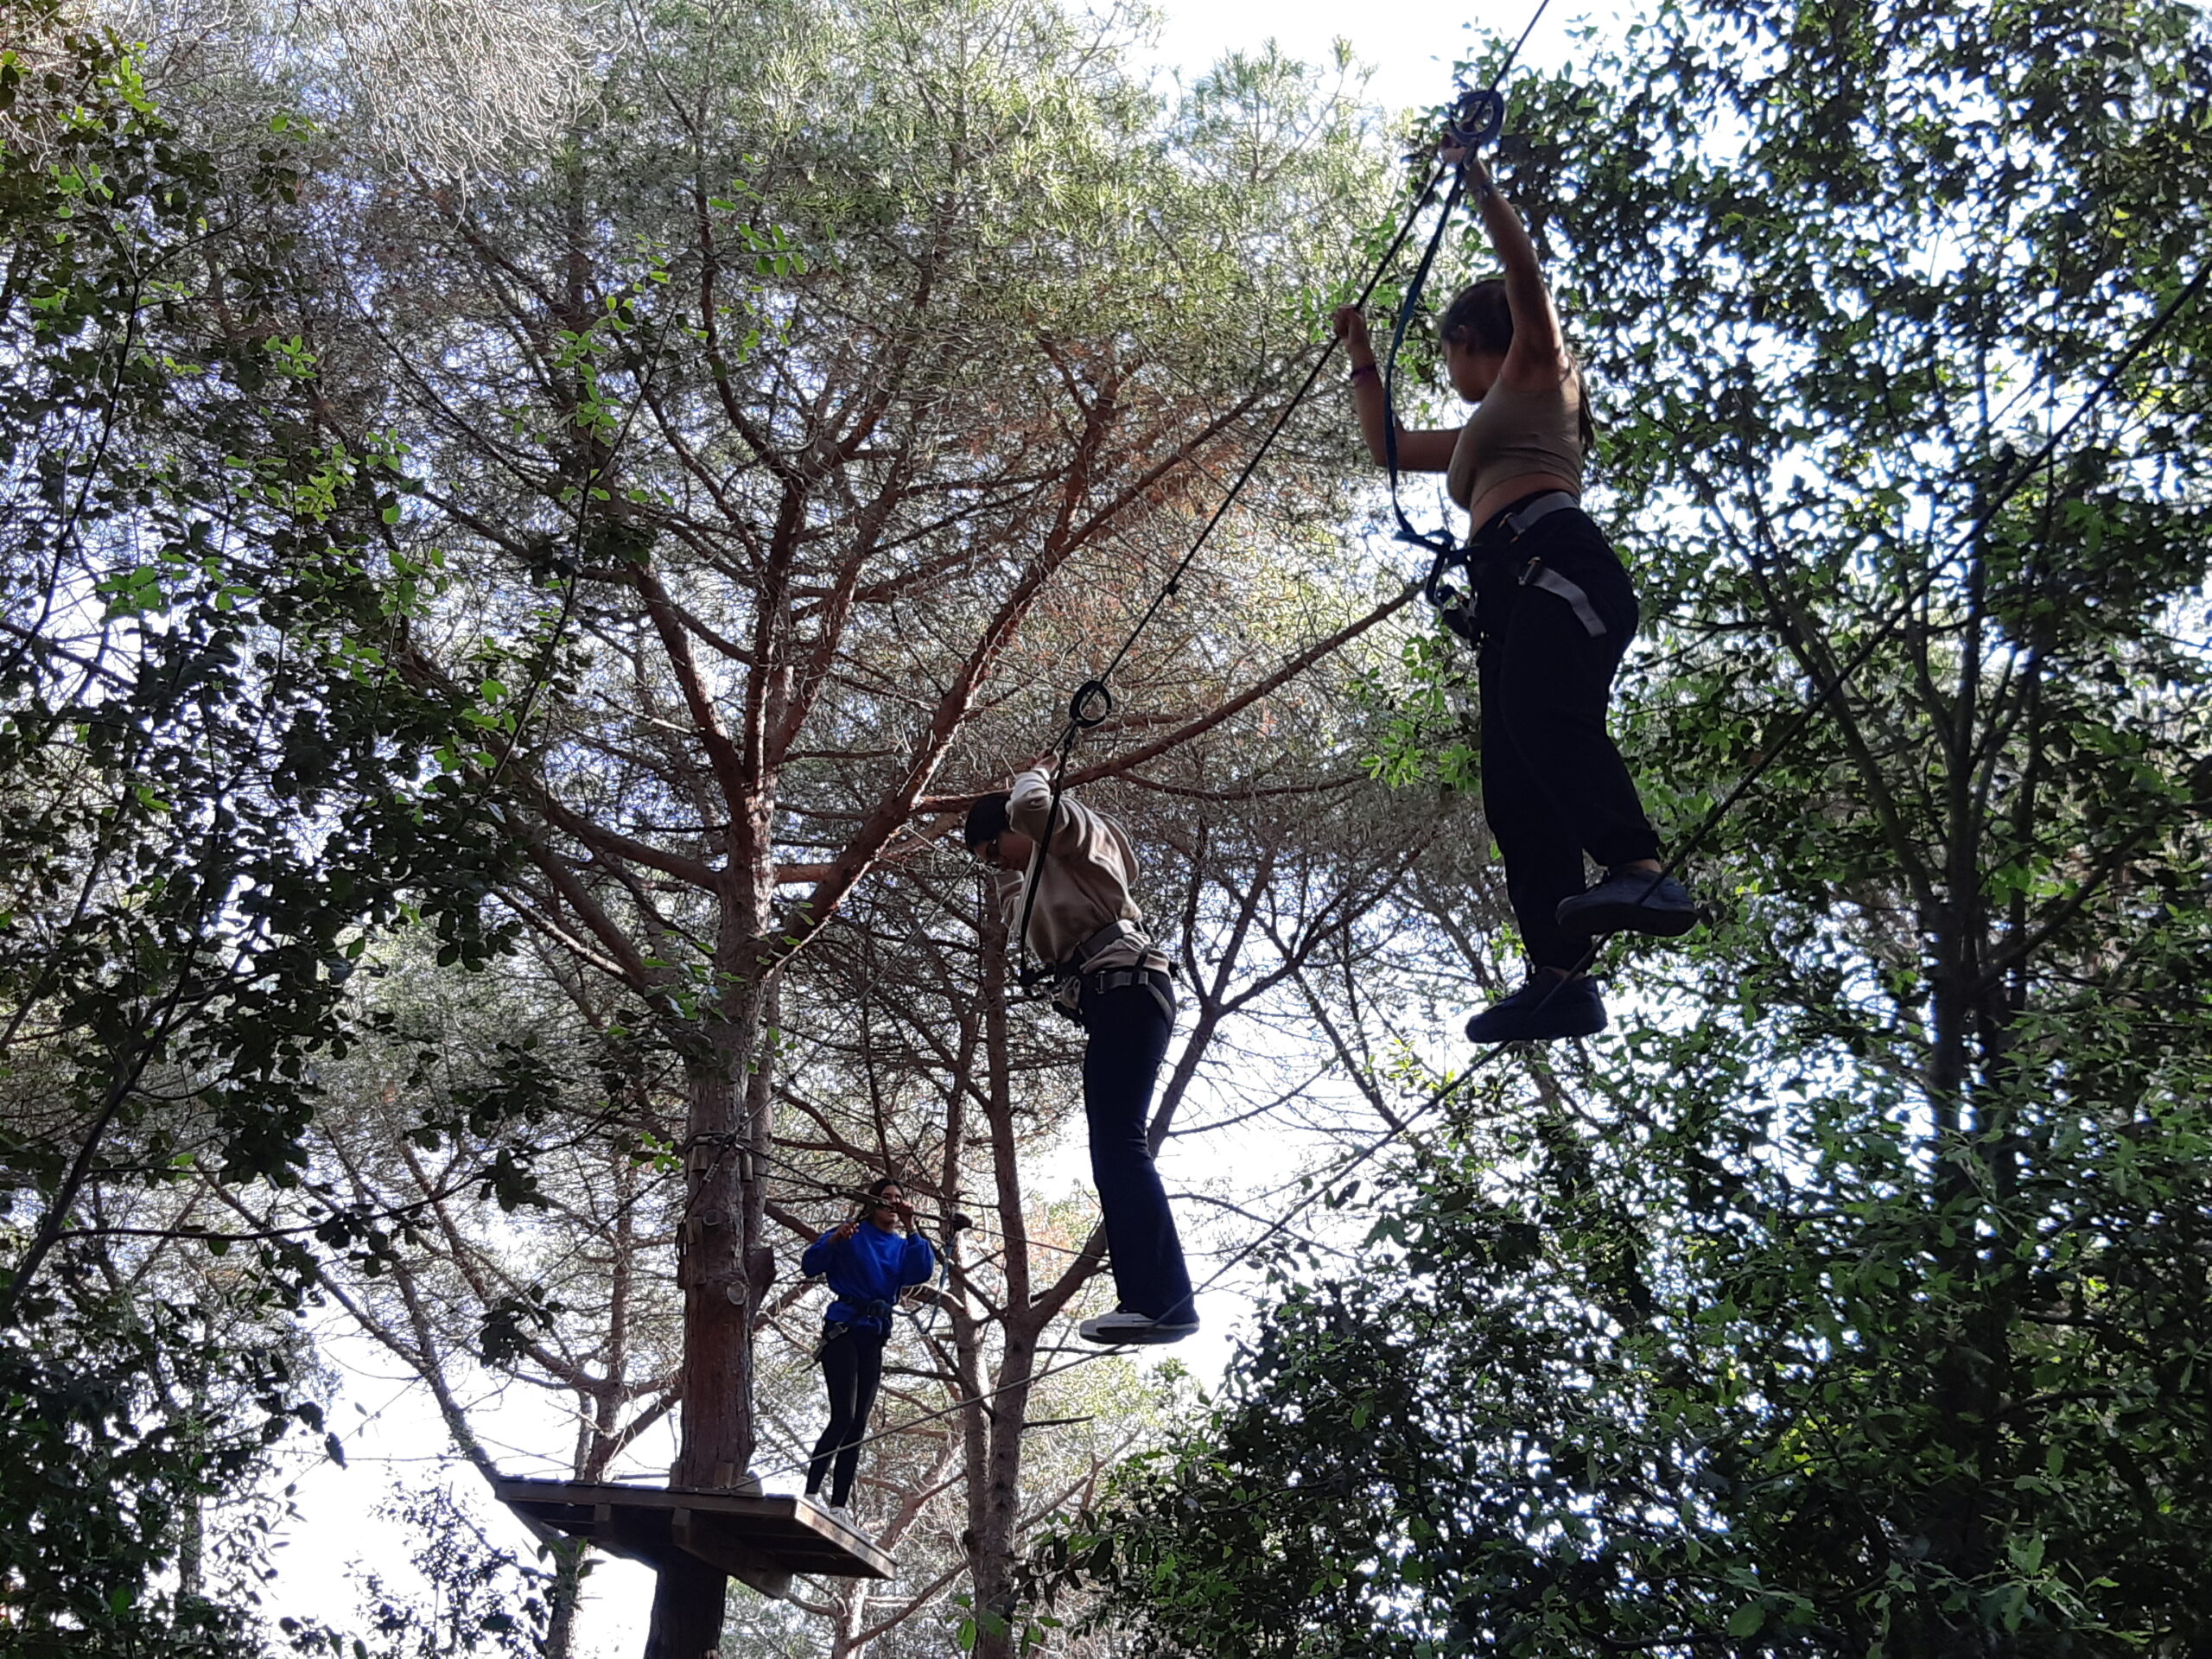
x: 1071, y: 869
x: 1554, y: 611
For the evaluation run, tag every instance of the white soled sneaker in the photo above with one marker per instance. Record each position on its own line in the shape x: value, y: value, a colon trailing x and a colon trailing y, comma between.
x: 1126, y: 1325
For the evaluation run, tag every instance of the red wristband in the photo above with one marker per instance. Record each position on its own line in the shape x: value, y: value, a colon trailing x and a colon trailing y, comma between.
x: 1365, y: 368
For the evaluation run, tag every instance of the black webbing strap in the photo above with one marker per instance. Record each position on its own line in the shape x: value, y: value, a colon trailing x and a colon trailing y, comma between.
x: 1444, y: 546
x: 1081, y: 718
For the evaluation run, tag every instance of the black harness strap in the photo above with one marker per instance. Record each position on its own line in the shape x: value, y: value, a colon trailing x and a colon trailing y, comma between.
x: 1442, y: 544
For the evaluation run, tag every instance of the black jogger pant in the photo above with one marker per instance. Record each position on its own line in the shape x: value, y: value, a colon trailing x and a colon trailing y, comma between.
x: 852, y: 1365
x: 1554, y: 785
x: 1130, y: 1031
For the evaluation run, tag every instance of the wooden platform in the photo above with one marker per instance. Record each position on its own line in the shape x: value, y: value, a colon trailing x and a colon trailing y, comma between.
x: 758, y: 1540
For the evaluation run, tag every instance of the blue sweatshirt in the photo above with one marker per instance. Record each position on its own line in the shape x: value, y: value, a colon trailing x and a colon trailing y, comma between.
x: 871, y: 1267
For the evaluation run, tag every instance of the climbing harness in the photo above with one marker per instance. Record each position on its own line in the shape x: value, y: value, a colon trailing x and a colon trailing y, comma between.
x: 1068, y: 979
x: 1460, y: 610
x: 876, y: 1315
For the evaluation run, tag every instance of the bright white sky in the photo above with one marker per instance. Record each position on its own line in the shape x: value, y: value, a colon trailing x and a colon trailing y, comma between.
x: 1412, y: 60
x: 392, y: 1435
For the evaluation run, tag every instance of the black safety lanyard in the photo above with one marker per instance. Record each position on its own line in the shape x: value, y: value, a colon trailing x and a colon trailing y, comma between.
x: 1441, y: 543
x: 1477, y: 118
x: 1089, y: 706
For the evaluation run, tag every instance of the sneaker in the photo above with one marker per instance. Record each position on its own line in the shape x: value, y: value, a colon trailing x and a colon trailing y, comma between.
x: 1631, y: 901
x: 1546, y: 1008
x: 1126, y: 1324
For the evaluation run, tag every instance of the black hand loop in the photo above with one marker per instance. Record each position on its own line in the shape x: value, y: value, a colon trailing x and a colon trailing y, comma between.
x: 1079, y: 705
x: 1476, y: 120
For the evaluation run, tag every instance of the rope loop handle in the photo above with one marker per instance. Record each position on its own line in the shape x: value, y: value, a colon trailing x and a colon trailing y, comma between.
x: 1079, y: 705
x: 1476, y: 120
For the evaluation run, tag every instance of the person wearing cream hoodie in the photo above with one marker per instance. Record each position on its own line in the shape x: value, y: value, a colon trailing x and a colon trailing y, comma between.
x: 1107, y: 975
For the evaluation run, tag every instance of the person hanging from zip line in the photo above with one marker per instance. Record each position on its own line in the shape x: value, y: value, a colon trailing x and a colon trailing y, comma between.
x: 1553, y: 612
x: 1108, y: 976
x: 867, y: 1263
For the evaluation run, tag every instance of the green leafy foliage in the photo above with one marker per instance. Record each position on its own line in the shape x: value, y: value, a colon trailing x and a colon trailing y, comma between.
x: 1852, y: 1299
x: 481, y: 1598
x: 215, y: 791
x: 120, y: 1422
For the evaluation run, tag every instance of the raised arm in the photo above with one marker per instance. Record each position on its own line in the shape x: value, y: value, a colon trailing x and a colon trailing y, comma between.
x: 1029, y: 807
x: 1538, y: 359
x: 1418, y: 452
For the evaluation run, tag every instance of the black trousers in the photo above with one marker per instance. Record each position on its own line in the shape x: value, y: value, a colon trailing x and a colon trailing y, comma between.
x: 1553, y: 785
x: 1120, y: 1063
x: 852, y: 1365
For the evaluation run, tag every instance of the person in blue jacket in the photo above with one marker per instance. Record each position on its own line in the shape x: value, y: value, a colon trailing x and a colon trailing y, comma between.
x: 868, y: 1261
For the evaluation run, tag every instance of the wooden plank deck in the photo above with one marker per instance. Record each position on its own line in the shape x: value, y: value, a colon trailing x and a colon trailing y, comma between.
x: 759, y: 1540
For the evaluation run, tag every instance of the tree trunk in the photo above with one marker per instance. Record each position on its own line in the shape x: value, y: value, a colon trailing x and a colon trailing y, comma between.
x: 994, y: 1448
x: 723, y: 1271
x: 996, y: 1509
x: 568, y: 1584
x: 687, y: 1597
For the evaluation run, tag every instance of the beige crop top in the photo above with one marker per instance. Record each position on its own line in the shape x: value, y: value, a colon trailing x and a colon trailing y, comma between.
x: 1518, y: 434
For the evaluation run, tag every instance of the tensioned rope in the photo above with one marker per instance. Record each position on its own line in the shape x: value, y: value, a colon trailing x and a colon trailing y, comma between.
x: 1479, y: 113
x: 1825, y: 691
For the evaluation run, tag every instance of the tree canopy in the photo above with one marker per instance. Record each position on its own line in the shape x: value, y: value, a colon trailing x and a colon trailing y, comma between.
x: 1851, y: 1299
x: 511, y: 574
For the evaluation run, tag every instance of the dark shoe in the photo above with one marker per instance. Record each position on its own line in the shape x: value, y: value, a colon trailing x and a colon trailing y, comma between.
x: 1124, y: 1325
x: 1631, y: 901
x: 1546, y: 1008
